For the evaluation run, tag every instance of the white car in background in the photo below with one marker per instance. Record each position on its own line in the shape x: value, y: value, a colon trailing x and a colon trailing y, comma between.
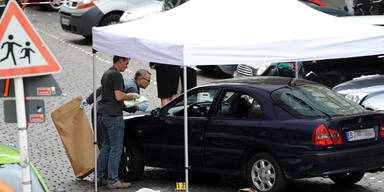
x: 146, y: 8
x: 79, y: 16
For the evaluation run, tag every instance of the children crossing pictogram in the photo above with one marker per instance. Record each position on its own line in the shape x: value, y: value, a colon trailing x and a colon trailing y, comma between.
x: 10, y: 44
x: 22, y: 52
x: 27, y: 51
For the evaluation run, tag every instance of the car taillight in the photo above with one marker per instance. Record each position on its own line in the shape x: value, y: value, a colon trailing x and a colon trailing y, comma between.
x: 382, y: 130
x: 323, y: 136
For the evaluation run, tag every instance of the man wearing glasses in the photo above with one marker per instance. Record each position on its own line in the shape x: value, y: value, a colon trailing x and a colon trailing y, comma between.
x: 141, y: 80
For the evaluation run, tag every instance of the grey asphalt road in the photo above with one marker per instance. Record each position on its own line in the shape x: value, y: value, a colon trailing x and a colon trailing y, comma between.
x: 48, y: 153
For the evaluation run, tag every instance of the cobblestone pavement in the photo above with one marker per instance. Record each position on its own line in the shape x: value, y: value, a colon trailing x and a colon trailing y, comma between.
x: 46, y: 149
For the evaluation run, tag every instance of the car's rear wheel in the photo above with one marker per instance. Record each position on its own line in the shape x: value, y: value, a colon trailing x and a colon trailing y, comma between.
x: 132, y: 161
x: 347, y: 178
x: 264, y: 173
x: 110, y: 19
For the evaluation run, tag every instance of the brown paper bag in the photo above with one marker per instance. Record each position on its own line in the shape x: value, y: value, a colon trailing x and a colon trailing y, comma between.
x: 75, y: 132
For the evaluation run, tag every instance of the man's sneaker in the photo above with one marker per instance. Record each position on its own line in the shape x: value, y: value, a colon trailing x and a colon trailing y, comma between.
x: 118, y: 185
x: 101, y: 182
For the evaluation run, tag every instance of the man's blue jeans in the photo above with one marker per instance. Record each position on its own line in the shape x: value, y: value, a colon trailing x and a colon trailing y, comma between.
x: 112, y: 147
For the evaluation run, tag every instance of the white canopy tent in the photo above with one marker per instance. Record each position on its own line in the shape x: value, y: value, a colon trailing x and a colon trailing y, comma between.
x: 219, y: 32
x: 202, y: 32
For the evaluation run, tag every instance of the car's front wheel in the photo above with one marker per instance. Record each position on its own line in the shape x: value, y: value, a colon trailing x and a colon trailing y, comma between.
x: 264, y: 173
x: 347, y: 178
x: 54, y: 5
x: 110, y: 19
x: 132, y: 160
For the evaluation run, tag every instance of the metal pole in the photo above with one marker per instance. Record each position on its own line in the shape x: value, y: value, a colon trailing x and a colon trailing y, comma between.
x: 186, y: 128
x: 95, y: 114
x: 23, y: 135
x: 296, y: 70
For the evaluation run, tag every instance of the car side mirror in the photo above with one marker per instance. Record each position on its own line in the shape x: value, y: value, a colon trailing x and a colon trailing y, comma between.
x: 156, y: 112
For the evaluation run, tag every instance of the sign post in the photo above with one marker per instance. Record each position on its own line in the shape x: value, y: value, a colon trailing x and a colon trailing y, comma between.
x: 23, y: 135
x: 22, y: 54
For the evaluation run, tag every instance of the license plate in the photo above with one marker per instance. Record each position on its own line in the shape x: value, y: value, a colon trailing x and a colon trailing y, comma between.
x: 64, y: 21
x: 361, y: 134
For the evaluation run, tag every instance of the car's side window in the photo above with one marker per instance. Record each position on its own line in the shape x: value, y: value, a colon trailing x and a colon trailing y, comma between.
x: 239, y: 105
x: 199, y: 103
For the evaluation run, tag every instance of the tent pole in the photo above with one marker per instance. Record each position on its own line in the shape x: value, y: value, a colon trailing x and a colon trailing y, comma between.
x: 186, y: 128
x: 95, y: 113
x: 297, y: 70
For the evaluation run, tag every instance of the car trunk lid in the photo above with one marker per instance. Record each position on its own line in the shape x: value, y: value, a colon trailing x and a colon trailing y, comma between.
x: 359, y: 129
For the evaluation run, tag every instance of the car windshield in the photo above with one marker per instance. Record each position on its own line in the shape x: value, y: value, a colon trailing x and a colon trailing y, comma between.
x: 314, y: 101
x: 11, y: 174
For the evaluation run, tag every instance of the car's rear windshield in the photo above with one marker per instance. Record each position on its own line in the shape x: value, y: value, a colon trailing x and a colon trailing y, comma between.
x: 312, y: 100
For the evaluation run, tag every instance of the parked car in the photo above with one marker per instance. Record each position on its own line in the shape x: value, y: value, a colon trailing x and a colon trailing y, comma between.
x: 80, y: 16
x: 145, y: 8
x: 316, y: 2
x: 3, y: 4
x: 10, y: 171
x: 367, y: 91
x: 328, y: 10
x: 265, y: 129
x: 53, y: 4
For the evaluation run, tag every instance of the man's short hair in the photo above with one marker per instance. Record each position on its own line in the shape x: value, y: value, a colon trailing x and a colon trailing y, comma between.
x: 117, y: 58
x: 141, y: 73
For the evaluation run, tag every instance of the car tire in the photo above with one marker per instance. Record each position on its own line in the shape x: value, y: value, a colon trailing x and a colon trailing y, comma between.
x: 53, y: 6
x: 347, y: 178
x: 223, y: 72
x: 206, y: 68
x: 264, y: 173
x: 132, y: 161
x: 88, y: 37
x: 110, y: 19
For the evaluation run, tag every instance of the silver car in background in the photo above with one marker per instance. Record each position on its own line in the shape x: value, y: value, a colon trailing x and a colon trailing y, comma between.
x: 79, y: 16
x: 367, y: 91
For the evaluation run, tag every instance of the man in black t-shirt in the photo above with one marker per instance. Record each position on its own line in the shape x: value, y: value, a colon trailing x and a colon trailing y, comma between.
x: 111, y: 115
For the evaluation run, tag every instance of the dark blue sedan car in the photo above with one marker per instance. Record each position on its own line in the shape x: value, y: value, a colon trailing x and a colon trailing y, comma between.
x: 265, y: 129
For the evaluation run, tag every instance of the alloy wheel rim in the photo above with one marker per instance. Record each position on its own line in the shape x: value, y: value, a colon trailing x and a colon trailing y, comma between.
x: 263, y: 175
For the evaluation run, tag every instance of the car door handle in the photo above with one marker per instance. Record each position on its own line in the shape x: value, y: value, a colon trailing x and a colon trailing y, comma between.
x: 195, y: 130
x: 139, y: 132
